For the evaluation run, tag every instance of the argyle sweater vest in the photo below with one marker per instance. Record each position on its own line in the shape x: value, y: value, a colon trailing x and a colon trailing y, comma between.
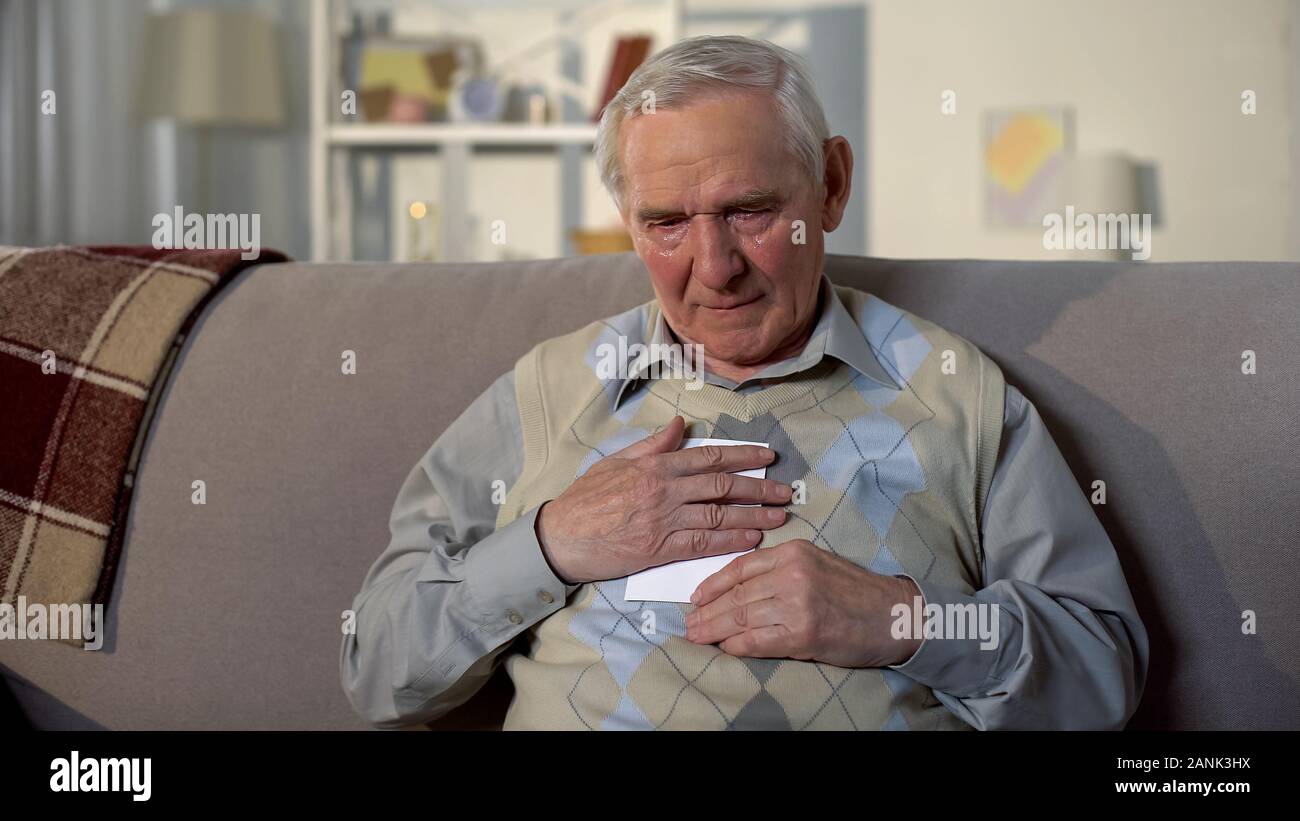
x: 892, y: 479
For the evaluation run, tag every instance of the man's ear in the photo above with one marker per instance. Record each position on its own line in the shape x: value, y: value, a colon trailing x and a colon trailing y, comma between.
x: 837, y: 182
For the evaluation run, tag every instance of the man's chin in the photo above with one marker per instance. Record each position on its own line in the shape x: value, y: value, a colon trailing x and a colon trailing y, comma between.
x: 731, y: 354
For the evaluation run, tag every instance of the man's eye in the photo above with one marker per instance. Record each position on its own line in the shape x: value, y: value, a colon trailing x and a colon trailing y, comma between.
x: 668, y: 223
x: 745, y: 213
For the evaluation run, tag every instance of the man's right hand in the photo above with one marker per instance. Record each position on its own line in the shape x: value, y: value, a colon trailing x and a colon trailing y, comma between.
x: 650, y: 504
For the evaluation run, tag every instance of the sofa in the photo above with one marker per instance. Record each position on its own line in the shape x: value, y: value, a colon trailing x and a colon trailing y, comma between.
x: 228, y: 615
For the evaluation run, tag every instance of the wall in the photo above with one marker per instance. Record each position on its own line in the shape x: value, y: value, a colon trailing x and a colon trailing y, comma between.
x: 1160, y: 79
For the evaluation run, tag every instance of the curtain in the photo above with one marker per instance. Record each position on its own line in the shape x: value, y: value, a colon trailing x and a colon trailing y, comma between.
x: 85, y: 171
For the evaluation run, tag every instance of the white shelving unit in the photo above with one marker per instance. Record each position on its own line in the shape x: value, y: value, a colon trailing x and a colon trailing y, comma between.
x: 454, y: 143
x: 440, y: 134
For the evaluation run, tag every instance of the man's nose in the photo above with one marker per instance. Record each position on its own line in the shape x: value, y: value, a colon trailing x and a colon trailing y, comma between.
x: 716, y: 257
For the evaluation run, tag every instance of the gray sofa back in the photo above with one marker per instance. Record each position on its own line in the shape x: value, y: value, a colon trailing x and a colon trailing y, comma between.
x: 227, y: 615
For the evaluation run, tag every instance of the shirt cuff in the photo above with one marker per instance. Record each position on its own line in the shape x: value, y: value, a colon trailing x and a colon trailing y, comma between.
x: 962, y: 667
x: 509, y: 580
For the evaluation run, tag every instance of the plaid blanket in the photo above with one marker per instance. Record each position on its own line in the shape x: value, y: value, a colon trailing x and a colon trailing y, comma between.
x: 87, y: 338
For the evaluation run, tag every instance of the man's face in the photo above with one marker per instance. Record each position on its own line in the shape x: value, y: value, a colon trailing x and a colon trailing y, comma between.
x: 711, y: 195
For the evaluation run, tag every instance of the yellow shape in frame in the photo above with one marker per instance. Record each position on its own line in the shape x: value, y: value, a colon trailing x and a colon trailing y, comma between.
x: 402, y: 69
x: 1017, y: 153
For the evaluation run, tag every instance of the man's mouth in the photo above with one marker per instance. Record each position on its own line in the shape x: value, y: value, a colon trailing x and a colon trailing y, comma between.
x: 731, y: 305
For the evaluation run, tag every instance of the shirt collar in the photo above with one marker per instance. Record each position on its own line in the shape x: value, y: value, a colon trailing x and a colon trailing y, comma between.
x: 836, y: 334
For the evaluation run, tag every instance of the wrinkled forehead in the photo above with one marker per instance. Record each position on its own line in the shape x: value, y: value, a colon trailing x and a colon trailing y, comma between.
x: 717, y: 147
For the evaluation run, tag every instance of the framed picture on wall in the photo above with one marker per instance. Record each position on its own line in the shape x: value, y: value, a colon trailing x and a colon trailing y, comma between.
x: 1024, y: 157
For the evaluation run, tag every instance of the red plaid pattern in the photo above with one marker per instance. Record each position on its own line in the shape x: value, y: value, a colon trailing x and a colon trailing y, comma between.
x: 87, y: 338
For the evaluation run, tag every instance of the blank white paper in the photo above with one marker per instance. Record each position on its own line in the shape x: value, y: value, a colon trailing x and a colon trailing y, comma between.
x: 676, y: 581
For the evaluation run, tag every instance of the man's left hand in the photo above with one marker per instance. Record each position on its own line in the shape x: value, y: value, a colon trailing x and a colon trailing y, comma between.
x: 795, y: 600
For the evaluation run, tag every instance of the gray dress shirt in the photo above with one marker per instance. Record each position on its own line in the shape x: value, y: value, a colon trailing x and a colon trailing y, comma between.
x: 450, y: 593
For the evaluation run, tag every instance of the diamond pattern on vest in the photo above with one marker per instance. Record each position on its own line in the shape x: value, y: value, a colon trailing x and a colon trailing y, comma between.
x: 852, y: 442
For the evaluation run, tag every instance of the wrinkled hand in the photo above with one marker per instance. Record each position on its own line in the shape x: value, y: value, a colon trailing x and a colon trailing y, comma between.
x: 650, y: 504
x: 794, y: 600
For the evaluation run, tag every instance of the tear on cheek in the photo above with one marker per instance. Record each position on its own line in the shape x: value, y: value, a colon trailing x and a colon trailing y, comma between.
x: 758, y: 236
x: 668, y: 239
x: 761, y: 226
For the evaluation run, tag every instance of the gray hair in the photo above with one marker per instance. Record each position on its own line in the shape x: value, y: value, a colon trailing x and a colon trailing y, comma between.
x: 702, y: 64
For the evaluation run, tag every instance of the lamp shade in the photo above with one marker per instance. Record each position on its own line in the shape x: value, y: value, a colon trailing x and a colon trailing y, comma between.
x: 1101, y: 184
x: 211, y: 67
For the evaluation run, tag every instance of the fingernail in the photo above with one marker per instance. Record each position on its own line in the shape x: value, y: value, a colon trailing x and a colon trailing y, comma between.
x: 775, y: 514
x: 769, y: 454
x: 753, y: 535
x: 695, y: 599
x: 785, y: 491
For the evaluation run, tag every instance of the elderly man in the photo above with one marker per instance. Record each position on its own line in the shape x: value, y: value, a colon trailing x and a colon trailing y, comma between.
x: 904, y: 479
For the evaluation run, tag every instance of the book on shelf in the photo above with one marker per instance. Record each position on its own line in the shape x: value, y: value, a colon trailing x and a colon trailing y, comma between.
x: 629, y: 53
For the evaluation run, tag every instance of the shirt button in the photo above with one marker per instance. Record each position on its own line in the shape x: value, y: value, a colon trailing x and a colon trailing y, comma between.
x: 546, y: 596
x: 514, y: 617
